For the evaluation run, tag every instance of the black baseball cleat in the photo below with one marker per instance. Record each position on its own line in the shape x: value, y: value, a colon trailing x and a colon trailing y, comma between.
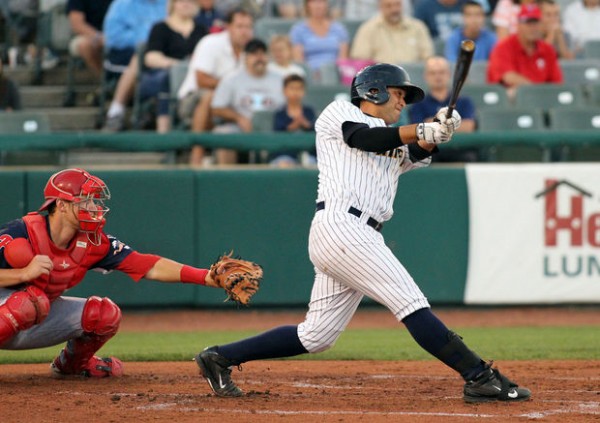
x: 216, y: 369
x: 491, y: 385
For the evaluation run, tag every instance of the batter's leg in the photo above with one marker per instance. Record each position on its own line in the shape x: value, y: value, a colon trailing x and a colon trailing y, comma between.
x: 331, y: 307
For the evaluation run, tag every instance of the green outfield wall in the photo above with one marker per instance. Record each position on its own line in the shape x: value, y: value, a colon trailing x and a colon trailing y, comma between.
x: 264, y: 215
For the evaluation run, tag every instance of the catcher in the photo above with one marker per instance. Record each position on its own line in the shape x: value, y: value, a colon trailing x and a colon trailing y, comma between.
x: 49, y: 251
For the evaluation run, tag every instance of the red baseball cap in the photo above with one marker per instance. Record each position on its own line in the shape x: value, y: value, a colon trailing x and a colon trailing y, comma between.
x: 529, y: 12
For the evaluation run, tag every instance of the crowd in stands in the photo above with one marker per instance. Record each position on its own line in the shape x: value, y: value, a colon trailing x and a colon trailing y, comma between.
x: 231, y: 74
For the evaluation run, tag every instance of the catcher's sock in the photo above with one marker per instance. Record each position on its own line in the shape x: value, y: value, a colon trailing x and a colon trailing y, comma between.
x: 282, y: 341
x: 435, y: 338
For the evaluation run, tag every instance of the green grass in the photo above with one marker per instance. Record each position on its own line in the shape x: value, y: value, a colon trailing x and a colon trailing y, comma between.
x: 520, y: 343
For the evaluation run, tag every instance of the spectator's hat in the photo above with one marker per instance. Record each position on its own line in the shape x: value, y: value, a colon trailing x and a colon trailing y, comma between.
x: 529, y: 13
x: 255, y: 45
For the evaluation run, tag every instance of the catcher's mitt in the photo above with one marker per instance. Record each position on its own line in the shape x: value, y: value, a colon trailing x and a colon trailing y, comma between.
x: 239, y: 278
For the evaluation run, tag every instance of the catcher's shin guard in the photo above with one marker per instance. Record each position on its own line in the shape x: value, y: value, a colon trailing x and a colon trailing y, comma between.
x: 22, y: 310
x: 100, y: 321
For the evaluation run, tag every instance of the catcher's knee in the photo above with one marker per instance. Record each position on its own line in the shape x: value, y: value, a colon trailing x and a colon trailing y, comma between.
x: 100, y: 316
x: 22, y: 310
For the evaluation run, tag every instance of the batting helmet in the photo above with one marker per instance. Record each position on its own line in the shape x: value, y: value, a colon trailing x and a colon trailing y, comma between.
x: 81, y: 187
x: 371, y: 84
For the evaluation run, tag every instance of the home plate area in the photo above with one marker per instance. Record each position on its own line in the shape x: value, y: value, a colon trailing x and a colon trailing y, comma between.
x: 300, y: 391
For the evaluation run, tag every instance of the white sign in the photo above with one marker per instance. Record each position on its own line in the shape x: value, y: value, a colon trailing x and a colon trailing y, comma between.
x: 534, y: 233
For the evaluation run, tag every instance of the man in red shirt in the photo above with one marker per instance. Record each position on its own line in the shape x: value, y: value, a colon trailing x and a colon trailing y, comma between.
x: 524, y: 58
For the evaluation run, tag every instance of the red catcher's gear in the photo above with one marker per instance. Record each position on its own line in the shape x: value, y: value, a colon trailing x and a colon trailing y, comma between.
x: 70, y: 265
x: 22, y: 310
x: 100, y: 321
x: 87, y: 191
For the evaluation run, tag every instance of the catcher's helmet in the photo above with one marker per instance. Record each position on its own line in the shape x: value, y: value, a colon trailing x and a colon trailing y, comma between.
x: 371, y: 83
x: 81, y: 187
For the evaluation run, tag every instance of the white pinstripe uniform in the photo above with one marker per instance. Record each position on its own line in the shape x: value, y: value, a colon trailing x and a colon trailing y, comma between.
x: 350, y: 258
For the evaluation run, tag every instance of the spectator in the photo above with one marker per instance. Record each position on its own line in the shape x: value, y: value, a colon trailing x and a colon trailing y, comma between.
x: 505, y: 16
x: 127, y: 25
x: 281, y: 57
x: 524, y: 57
x: 86, y: 18
x: 437, y: 76
x: 10, y: 98
x: 553, y: 30
x: 288, y: 9
x: 361, y: 10
x: 318, y: 40
x: 473, y: 29
x: 582, y: 22
x: 243, y: 92
x: 215, y: 56
x: 210, y: 17
x: 170, y: 42
x: 440, y: 16
x: 378, y: 38
x: 21, y: 17
x: 292, y: 117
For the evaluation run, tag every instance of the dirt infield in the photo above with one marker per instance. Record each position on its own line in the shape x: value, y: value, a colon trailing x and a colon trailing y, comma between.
x: 308, y: 391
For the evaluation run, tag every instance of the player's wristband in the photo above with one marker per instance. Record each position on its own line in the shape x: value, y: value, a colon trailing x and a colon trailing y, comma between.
x: 189, y: 274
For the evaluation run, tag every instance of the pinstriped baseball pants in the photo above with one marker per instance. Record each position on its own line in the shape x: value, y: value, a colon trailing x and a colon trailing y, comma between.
x: 351, y: 260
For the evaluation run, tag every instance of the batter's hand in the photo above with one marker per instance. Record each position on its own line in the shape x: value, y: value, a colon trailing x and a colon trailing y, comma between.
x: 39, y: 265
x: 433, y: 133
x: 450, y: 124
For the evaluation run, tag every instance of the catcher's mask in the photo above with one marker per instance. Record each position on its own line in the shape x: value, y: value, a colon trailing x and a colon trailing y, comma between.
x: 371, y: 83
x: 86, y: 191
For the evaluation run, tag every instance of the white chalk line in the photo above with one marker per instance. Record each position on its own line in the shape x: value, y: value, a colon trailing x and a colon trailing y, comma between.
x: 529, y: 415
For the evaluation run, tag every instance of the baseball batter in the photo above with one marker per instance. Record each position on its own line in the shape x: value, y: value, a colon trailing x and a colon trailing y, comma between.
x: 360, y: 159
x: 49, y: 251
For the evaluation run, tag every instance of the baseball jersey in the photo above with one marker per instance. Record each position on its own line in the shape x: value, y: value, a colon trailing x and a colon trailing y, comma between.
x: 349, y: 177
x: 112, y: 257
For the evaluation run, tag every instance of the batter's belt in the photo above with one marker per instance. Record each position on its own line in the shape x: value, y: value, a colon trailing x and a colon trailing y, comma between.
x: 354, y: 211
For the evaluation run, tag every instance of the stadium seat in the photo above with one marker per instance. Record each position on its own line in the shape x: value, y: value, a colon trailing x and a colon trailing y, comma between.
x: 477, y: 73
x: 319, y: 96
x: 262, y: 121
x: 486, y: 96
x: 265, y: 28
x: 594, y: 95
x: 415, y: 71
x: 19, y: 122
x: 512, y: 119
x: 352, y: 26
x: 591, y: 49
x: 547, y: 96
x: 579, y: 119
x: 581, y: 71
x: 583, y: 119
x: 177, y: 74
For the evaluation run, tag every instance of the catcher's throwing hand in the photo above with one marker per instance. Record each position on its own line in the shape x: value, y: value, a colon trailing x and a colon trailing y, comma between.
x: 239, y: 278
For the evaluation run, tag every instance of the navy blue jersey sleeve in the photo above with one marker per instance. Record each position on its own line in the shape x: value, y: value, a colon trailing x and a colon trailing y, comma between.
x: 8, y: 232
x: 116, y: 254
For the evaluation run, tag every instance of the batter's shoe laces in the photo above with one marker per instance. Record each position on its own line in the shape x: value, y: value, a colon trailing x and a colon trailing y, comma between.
x: 491, y: 385
x: 216, y: 369
x: 96, y: 367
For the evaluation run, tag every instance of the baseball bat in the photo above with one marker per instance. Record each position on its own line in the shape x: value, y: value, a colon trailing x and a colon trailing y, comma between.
x: 461, y: 70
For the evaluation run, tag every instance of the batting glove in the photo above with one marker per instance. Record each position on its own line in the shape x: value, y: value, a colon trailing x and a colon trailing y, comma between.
x: 450, y: 124
x: 433, y: 133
